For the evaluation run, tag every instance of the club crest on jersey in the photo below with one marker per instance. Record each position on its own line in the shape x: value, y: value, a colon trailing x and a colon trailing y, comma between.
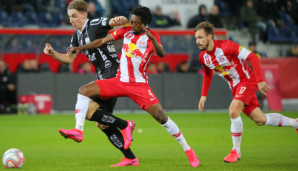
x: 205, y: 56
x: 128, y: 35
x: 221, y: 58
x: 81, y: 42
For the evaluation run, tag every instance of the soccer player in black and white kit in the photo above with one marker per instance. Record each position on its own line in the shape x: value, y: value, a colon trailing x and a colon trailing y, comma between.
x: 105, y: 61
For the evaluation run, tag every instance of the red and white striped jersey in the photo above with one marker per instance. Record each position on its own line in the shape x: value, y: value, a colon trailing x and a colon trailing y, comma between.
x: 227, y: 59
x: 136, y: 53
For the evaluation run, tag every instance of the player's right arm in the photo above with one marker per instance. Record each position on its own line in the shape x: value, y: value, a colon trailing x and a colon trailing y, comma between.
x: 207, y: 78
x: 63, y: 58
x: 93, y: 45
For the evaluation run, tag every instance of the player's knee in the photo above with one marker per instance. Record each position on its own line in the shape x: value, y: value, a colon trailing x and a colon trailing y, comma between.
x: 84, y: 91
x: 101, y: 126
x: 233, y: 114
x: 260, y: 122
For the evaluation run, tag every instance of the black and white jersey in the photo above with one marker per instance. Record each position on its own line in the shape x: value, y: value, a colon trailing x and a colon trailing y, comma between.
x: 104, y: 59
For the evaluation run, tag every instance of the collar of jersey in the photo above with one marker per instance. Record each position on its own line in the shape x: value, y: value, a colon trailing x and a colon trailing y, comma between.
x: 84, y: 26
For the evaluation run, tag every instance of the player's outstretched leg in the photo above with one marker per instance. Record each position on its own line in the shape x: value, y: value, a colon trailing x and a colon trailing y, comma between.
x: 273, y: 119
x: 156, y: 111
x: 126, y: 127
x: 236, y: 131
x: 116, y: 138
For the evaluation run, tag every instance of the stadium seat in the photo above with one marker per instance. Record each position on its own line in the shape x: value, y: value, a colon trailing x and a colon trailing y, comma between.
x: 274, y: 36
x: 58, y: 19
x: 46, y: 20
x: 17, y: 19
x: 4, y: 19
x: 31, y: 18
x: 287, y: 19
x: 288, y: 34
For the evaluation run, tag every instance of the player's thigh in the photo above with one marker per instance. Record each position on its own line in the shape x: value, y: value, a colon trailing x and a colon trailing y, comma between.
x: 235, y: 108
x: 258, y: 116
x: 93, y: 106
x: 90, y: 90
x: 111, y: 88
x: 105, y: 104
x: 142, y: 94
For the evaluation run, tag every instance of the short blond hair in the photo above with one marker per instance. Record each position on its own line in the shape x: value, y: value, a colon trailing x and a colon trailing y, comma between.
x: 78, y: 5
x: 207, y: 26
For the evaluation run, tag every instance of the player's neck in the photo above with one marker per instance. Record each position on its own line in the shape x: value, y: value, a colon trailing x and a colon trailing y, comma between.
x: 84, y: 21
x: 211, y: 46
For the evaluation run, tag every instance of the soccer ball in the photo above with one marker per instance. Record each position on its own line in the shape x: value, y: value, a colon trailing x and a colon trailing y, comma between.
x: 13, y: 158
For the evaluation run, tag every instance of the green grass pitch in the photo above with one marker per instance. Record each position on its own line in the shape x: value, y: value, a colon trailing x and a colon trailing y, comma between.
x: 263, y: 147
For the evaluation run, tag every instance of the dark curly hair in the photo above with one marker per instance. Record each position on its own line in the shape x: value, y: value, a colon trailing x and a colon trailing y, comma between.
x: 144, y: 12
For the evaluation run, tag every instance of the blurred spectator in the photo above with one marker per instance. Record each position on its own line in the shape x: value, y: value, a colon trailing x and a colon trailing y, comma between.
x: 47, y: 6
x: 98, y: 6
x: 85, y: 68
x: 152, y: 69
x: 183, y: 67
x: 163, y: 21
x: 271, y: 13
x: 7, y: 88
x: 293, y: 51
x: 195, y: 20
x: 28, y: 67
x: 28, y: 5
x: 162, y: 68
x: 234, y: 6
x: 253, y: 47
x: 250, y: 18
x: 92, y: 13
x: 214, y: 18
x: 285, y: 5
x: 175, y: 19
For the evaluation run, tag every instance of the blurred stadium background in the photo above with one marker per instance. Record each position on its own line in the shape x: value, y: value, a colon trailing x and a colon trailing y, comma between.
x: 32, y: 82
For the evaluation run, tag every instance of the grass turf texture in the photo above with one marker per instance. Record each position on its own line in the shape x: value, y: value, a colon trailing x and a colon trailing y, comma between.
x: 263, y: 148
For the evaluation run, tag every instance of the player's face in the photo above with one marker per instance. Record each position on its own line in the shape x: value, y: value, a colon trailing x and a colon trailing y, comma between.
x: 76, y: 18
x: 201, y: 39
x: 136, y: 24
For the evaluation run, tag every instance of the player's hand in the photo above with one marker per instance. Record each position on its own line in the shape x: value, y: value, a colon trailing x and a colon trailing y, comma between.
x: 117, y: 21
x: 263, y: 87
x: 201, y: 105
x: 48, y: 50
x: 148, y: 32
x: 75, y: 50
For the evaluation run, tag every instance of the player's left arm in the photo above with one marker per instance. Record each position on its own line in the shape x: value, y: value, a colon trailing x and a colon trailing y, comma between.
x: 157, y: 47
x: 118, y: 21
x: 243, y: 53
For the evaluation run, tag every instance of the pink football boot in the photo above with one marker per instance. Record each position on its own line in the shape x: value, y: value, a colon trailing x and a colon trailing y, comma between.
x: 127, y: 133
x: 192, y: 157
x: 74, y: 134
x: 127, y: 162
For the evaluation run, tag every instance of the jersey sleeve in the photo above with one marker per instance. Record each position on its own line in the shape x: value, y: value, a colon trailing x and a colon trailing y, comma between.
x: 236, y: 50
x: 101, y: 23
x: 119, y: 34
x: 74, y: 40
x: 207, y: 76
x: 243, y: 53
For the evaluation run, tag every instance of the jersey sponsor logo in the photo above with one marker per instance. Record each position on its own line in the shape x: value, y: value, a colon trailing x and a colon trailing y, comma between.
x: 128, y: 35
x: 221, y: 69
x: 131, y: 50
x: 111, y: 48
x: 108, y: 64
x: 87, y: 40
x: 104, y: 21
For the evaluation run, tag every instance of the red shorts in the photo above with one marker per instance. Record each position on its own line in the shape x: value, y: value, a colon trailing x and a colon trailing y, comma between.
x: 140, y: 93
x: 246, y: 92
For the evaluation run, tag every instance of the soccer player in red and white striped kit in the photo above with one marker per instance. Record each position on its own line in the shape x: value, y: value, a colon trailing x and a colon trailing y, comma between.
x: 227, y: 59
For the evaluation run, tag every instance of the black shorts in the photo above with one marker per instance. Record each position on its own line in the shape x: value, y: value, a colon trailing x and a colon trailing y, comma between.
x: 106, y: 105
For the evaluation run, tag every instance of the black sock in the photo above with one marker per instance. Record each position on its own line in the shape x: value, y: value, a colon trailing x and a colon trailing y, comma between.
x: 116, y: 138
x: 107, y: 118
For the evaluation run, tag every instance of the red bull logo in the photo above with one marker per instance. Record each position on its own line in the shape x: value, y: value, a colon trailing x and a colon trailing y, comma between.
x: 131, y: 50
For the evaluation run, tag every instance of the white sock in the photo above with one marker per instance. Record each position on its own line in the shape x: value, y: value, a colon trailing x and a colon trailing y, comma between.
x: 81, y: 111
x: 276, y: 119
x: 236, y: 131
x: 173, y: 129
